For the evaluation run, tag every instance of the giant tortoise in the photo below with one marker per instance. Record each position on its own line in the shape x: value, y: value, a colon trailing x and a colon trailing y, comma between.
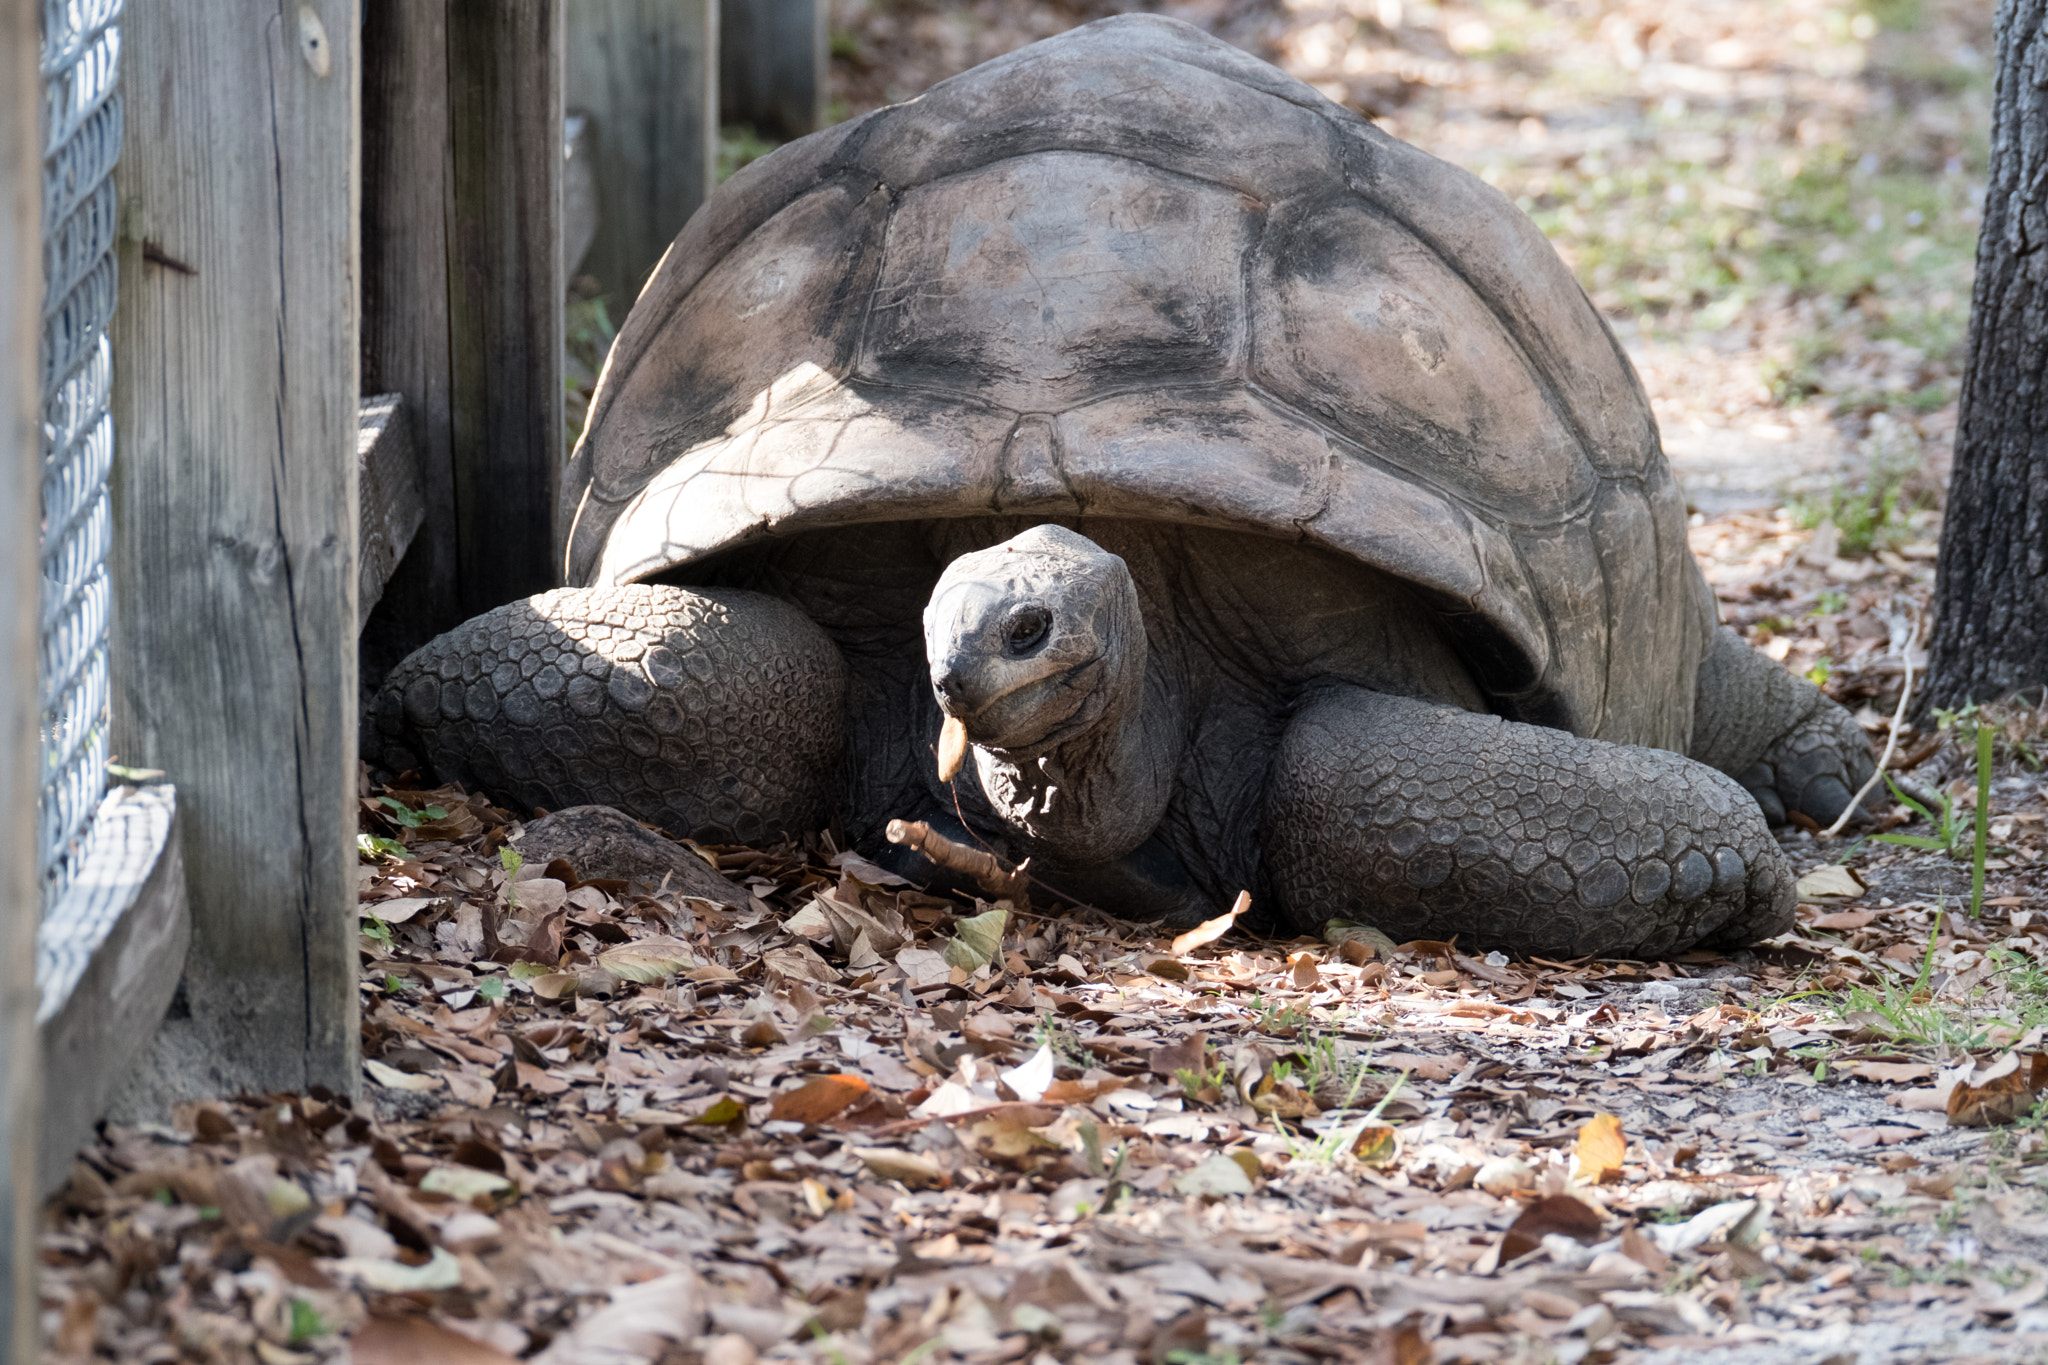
x: 1258, y: 497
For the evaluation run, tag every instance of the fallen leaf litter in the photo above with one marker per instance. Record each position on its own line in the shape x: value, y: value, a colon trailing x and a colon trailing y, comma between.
x: 800, y: 1109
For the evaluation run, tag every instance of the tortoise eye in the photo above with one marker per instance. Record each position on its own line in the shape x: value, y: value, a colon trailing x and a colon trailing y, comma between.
x: 1026, y: 630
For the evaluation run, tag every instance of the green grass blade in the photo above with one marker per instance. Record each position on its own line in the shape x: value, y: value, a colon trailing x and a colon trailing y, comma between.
x: 1927, y: 961
x: 1899, y: 795
x: 1911, y: 841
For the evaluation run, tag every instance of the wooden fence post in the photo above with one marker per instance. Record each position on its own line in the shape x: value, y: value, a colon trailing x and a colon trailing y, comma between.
x: 21, y: 902
x: 505, y: 293
x: 773, y: 64
x: 647, y: 73
x: 235, y: 521
x: 406, y: 196
x: 462, y: 296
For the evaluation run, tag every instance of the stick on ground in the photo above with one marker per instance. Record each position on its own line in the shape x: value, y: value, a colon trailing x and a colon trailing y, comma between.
x: 990, y: 873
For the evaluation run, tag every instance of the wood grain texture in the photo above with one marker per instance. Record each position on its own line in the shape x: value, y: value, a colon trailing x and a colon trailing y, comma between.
x: 505, y: 294
x: 646, y: 71
x: 773, y: 62
x: 21, y: 297
x: 1991, y: 593
x: 112, y: 950
x: 235, y: 506
x: 392, y: 503
x: 407, y: 199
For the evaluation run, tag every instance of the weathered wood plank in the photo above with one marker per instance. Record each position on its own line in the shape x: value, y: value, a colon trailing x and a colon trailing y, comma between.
x: 773, y: 63
x: 407, y: 189
x: 505, y: 294
x: 579, y: 192
x: 21, y: 298
x: 235, y: 510
x: 392, y: 499
x: 108, y: 960
x: 646, y: 71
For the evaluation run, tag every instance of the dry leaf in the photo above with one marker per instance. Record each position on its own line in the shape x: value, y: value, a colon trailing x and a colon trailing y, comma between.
x: 1208, y: 931
x: 1557, y: 1213
x: 1376, y: 1144
x: 1601, y: 1149
x: 648, y: 961
x: 640, y: 1322
x: 1214, y: 1178
x: 1828, y: 881
x: 1030, y: 1080
x: 1643, y: 1251
x: 978, y: 940
x: 819, y: 1100
x: 412, y: 1340
x: 890, y: 1163
x: 391, y: 1078
x: 1303, y: 971
x: 2000, y: 1092
x: 399, y: 911
x: 1339, y: 932
x: 723, y: 1112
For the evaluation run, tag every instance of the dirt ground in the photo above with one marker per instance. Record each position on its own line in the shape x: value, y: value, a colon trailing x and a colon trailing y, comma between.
x: 771, y: 1104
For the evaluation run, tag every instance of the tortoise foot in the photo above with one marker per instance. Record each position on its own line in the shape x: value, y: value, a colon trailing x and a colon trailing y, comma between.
x: 714, y: 713
x: 1426, y: 821
x: 1781, y: 737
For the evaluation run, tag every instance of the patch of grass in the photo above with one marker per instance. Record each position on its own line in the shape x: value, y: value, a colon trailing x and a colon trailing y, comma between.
x: 375, y: 847
x: 1869, y: 514
x: 306, y: 1323
x: 1060, y: 1040
x: 1912, y: 1013
x: 1950, y: 829
x: 2019, y: 727
x: 739, y: 144
x: 1944, y: 818
x: 1274, y: 1018
x: 1343, y: 1138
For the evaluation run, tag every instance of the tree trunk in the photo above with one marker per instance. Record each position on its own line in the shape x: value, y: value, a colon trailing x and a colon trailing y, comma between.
x: 1991, y: 596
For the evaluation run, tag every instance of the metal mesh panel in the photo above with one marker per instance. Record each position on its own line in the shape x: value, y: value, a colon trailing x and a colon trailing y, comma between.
x: 81, y: 138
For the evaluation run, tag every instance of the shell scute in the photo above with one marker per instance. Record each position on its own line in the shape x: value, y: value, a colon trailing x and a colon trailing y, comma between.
x: 1044, y: 282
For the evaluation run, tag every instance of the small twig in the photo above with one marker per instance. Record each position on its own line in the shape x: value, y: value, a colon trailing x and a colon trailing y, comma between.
x: 1891, y: 742
x: 990, y: 873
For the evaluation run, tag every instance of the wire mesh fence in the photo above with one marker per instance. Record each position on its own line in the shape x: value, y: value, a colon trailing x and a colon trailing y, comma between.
x: 81, y: 139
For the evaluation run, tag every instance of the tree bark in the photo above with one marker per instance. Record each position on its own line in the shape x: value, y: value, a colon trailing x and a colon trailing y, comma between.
x: 1991, y: 596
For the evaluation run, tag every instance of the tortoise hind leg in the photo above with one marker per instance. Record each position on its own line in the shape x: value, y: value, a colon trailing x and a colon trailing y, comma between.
x: 1779, y: 736
x: 715, y: 713
x: 1426, y: 821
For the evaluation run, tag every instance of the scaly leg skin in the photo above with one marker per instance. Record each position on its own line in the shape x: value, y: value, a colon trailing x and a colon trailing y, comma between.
x: 1779, y: 736
x: 1426, y: 821
x: 714, y: 713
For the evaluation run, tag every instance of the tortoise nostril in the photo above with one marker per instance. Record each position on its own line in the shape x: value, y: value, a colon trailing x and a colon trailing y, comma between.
x: 949, y: 685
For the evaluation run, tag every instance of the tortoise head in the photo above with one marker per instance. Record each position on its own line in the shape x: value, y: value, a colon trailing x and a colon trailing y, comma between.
x: 1035, y: 641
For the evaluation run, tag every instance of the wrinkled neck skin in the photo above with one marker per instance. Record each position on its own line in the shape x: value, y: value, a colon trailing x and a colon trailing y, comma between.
x: 1096, y: 796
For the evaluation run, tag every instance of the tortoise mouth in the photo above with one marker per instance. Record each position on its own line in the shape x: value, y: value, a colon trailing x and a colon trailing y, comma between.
x: 1036, y: 712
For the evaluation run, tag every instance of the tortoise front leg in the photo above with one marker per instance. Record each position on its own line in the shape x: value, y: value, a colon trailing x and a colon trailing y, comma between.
x: 1426, y: 821
x: 1779, y: 736
x: 714, y: 713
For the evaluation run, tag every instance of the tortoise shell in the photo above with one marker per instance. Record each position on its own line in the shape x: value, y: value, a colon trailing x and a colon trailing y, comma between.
x: 1133, y: 272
